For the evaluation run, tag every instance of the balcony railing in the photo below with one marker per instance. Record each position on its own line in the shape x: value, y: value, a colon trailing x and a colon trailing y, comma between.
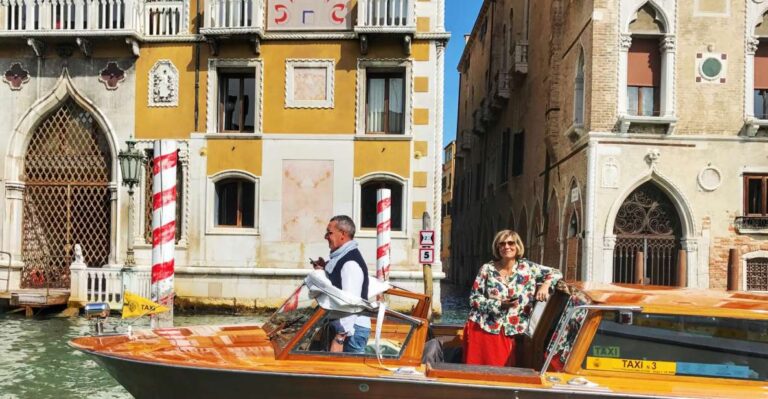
x: 385, y: 16
x: 107, y: 284
x: 67, y: 15
x: 165, y: 18
x: 229, y: 15
x: 92, y: 17
x: 751, y: 224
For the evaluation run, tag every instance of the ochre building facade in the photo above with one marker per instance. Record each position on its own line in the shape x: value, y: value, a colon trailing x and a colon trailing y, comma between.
x: 285, y: 114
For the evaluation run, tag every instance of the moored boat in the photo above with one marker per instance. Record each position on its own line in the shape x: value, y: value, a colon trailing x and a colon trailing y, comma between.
x: 590, y: 341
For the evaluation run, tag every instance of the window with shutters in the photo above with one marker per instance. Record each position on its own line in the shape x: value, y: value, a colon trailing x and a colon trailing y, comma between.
x: 578, y: 93
x: 761, y: 81
x: 644, y: 77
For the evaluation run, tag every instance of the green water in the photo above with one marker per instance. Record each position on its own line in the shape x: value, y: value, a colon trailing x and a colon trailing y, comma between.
x: 37, y: 363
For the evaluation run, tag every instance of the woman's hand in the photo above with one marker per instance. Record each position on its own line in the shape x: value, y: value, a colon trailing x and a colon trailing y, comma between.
x: 542, y: 294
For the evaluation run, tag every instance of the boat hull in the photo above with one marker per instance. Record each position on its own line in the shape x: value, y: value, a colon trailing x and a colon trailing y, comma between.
x: 155, y: 380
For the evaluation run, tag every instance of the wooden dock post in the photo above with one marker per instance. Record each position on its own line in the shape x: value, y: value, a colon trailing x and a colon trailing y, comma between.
x: 639, y: 277
x: 682, y: 268
x: 733, y: 269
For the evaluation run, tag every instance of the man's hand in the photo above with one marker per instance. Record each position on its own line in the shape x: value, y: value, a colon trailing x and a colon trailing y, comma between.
x: 318, y: 264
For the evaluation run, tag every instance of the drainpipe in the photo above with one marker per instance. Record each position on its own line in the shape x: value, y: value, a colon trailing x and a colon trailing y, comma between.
x: 197, y: 63
x: 589, y: 213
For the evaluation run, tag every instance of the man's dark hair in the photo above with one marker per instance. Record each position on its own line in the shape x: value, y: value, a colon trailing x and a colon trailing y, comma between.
x: 345, y: 224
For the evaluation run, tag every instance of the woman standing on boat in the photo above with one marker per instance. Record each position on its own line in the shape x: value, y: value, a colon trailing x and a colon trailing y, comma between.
x: 501, y: 301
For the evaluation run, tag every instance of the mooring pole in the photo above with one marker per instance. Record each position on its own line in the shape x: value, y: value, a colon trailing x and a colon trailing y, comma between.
x: 426, y: 224
x: 733, y: 269
x: 163, y: 229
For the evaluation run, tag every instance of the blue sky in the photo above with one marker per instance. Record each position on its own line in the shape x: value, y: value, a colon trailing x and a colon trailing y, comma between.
x: 459, y: 17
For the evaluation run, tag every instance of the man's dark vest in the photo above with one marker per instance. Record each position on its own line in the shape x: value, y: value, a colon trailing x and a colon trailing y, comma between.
x: 353, y: 255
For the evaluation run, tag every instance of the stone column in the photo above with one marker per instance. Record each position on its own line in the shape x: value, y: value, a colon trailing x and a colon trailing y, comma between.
x: 14, y: 211
x: 667, y: 95
x: 625, y: 42
x: 691, y: 248
x: 606, y: 275
x: 749, y: 78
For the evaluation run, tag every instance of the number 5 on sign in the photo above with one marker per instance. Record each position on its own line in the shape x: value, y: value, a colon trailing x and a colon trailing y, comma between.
x: 426, y: 256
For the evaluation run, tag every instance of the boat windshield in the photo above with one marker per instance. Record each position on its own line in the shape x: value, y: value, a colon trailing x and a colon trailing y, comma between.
x: 684, y: 345
x: 283, y: 325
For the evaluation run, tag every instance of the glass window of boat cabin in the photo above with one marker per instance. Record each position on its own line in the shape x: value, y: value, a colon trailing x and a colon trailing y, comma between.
x: 680, y: 345
x: 396, y: 332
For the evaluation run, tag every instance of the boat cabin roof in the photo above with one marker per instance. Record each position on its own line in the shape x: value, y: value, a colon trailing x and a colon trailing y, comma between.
x: 677, y: 300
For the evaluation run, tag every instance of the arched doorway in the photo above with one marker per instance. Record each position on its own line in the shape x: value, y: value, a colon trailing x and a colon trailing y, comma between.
x: 67, y: 169
x: 647, y: 230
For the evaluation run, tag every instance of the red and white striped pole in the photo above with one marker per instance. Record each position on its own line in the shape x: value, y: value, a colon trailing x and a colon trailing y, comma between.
x: 383, y: 228
x: 163, y: 229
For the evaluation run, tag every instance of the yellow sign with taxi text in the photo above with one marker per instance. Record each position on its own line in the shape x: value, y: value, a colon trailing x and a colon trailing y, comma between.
x: 136, y: 306
x: 631, y: 365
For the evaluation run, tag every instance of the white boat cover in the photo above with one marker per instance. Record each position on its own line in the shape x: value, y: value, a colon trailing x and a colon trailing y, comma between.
x: 333, y: 299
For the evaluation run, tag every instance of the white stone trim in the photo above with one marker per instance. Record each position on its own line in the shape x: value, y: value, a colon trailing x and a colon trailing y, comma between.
x: 330, y: 67
x: 212, y: 112
x: 310, y: 36
x: 682, y: 207
x: 363, y: 64
x: 152, y: 99
x: 406, y: 203
x: 744, y: 258
x: 210, y: 189
x: 667, y: 14
x: 703, y: 185
x: 753, y: 16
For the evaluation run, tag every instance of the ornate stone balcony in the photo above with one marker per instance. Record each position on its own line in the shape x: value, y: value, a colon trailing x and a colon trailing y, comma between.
x: 385, y: 16
x: 232, y: 16
x: 84, y: 18
x: 751, y: 224
x: 520, y: 64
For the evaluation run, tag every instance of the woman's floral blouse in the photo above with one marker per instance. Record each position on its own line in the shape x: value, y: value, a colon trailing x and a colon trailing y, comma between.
x: 490, y: 289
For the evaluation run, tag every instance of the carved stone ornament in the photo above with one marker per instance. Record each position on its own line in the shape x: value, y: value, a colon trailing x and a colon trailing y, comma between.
x: 610, y: 173
x: 16, y: 76
x: 111, y: 76
x: 625, y: 41
x: 652, y: 157
x: 710, y: 178
x: 163, y: 85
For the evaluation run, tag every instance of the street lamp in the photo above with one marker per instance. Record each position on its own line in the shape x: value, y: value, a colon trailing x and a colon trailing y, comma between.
x: 131, y: 161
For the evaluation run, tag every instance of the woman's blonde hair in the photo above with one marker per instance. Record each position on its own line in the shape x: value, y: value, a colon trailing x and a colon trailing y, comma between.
x: 501, y: 236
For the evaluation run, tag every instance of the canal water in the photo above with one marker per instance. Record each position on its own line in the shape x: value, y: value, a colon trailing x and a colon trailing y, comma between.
x: 37, y: 363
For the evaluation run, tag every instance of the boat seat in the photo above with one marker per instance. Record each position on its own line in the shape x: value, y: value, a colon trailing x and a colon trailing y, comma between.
x: 483, y: 373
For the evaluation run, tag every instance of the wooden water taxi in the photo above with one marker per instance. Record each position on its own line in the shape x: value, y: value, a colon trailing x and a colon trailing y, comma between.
x: 590, y: 341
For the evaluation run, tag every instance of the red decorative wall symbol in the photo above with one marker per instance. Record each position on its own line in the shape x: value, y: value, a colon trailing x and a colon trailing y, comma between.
x: 111, y: 76
x: 16, y: 76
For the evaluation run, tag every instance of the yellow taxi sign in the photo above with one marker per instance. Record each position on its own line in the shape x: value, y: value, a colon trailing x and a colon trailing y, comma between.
x: 631, y: 365
x: 136, y: 306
